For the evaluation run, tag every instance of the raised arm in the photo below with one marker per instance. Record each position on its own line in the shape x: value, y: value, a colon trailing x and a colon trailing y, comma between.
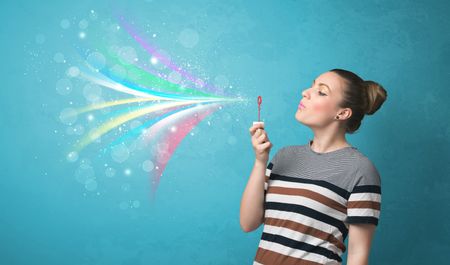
x: 252, y: 202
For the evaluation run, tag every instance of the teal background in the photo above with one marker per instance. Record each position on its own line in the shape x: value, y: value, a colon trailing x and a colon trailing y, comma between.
x: 269, y: 48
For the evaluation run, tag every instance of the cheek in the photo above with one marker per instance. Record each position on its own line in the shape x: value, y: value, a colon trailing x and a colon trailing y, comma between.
x: 321, y: 107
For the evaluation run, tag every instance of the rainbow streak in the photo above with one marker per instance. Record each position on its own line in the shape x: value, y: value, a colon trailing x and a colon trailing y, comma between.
x: 137, y: 91
x: 142, y: 128
x: 113, y: 103
x: 167, y: 62
x: 124, y: 89
x: 130, y: 88
x: 115, y: 86
x: 153, y: 92
x: 139, y: 129
x: 185, y: 120
x: 106, y: 127
x: 184, y: 110
x: 144, y: 77
x: 140, y: 92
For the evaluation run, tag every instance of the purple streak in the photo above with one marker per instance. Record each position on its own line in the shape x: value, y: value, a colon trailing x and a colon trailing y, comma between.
x: 166, y: 61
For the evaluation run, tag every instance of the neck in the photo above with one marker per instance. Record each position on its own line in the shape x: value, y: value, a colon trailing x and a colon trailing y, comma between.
x: 323, y: 143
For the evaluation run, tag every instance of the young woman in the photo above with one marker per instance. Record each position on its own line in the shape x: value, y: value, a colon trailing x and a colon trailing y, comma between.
x: 310, y: 197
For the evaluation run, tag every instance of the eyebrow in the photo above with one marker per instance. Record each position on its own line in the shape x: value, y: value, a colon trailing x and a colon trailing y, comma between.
x: 322, y: 84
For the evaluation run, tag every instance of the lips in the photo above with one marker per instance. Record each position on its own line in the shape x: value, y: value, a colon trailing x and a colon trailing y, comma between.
x: 301, y: 106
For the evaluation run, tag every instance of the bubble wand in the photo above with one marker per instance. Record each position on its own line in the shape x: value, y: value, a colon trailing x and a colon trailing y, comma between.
x: 259, y: 112
x: 259, y: 106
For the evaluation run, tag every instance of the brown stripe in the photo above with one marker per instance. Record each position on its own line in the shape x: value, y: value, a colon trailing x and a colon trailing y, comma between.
x: 266, y: 178
x: 268, y: 257
x: 309, y: 194
x: 364, y: 204
x: 305, y: 229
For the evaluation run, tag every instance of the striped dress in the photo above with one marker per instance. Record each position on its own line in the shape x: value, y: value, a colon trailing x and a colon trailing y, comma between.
x: 310, y: 200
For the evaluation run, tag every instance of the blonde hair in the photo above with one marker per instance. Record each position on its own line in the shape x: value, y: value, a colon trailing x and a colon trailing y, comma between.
x: 361, y: 96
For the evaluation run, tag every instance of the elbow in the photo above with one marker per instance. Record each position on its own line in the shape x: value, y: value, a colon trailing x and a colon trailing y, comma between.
x: 248, y: 226
x: 245, y: 227
x: 248, y: 220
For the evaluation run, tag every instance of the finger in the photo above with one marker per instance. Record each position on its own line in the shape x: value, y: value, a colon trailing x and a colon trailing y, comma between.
x: 254, y: 128
x: 264, y: 146
x: 267, y: 145
x: 257, y: 133
x: 262, y: 137
x: 261, y: 132
x: 258, y: 139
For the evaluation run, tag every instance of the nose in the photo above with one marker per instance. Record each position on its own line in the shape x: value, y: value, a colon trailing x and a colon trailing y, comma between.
x: 305, y: 93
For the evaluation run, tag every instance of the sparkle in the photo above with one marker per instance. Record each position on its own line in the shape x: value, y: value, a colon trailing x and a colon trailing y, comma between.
x: 90, y: 118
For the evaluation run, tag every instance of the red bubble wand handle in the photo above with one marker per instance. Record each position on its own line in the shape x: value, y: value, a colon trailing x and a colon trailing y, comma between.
x: 259, y: 106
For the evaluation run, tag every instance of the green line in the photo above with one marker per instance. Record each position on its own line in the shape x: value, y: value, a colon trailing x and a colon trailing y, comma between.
x: 147, y: 79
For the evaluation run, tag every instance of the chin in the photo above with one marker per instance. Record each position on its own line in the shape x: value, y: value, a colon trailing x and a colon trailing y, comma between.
x: 301, y: 119
x: 297, y: 117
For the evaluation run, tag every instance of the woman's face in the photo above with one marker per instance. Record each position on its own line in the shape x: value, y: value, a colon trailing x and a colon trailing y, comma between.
x: 318, y: 106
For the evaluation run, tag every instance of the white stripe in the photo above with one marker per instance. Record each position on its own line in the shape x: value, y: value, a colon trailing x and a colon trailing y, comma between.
x: 295, y: 253
x: 364, y: 212
x: 301, y: 237
x: 257, y: 263
x: 332, y: 262
x: 266, y: 182
x: 305, y: 220
x: 313, y: 187
x: 305, y: 201
x: 365, y: 196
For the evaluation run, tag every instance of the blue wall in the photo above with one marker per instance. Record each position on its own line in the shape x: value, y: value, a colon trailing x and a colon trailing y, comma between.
x: 274, y: 49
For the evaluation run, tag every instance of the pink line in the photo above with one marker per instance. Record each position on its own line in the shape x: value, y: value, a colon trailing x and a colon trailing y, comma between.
x: 184, y: 125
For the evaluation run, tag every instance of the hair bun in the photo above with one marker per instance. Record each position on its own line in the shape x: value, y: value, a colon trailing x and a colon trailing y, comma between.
x: 376, y: 95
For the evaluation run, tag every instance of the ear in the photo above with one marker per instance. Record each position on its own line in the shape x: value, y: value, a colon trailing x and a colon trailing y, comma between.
x: 345, y: 114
